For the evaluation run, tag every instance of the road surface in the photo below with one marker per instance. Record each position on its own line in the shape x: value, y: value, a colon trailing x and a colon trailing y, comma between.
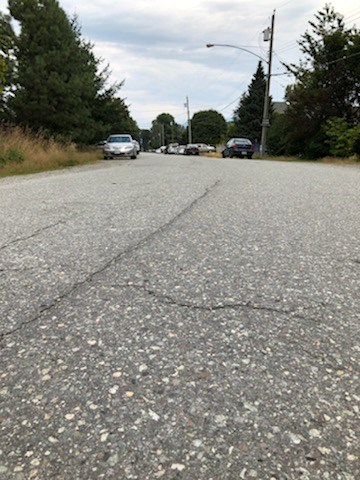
x: 180, y: 318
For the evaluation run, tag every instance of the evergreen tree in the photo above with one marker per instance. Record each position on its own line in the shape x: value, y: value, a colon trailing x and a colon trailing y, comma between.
x: 59, y: 87
x: 208, y: 126
x: 111, y: 114
x: 145, y: 136
x: 278, y: 136
x: 248, y: 116
x: 7, y: 63
x: 165, y: 130
x: 56, y: 71
x: 327, y: 82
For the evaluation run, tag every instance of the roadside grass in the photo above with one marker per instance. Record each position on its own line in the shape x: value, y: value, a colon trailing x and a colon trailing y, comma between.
x: 22, y: 152
x: 354, y: 160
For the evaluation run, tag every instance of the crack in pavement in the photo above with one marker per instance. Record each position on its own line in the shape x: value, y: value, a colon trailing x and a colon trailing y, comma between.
x: 210, y: 308
x: 167, y: 299
x: 110, y: 262
x: 34, y: 234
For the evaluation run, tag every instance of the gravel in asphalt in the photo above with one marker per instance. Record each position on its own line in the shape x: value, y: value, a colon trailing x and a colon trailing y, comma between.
x: 181, y: 318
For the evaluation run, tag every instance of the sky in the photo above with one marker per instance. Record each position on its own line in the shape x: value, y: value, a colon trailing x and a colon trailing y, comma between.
x: 158, y: 48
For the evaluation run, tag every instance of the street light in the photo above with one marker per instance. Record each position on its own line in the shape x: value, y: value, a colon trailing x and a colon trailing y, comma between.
x: 265, y: 120
x: 209, y: 45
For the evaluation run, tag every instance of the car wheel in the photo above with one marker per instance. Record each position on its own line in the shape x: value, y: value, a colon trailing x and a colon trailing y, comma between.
x: 249, y: 157
x: 133, y: 157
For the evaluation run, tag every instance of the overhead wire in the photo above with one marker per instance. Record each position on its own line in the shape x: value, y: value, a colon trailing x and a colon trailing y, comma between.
x: 351, y: 16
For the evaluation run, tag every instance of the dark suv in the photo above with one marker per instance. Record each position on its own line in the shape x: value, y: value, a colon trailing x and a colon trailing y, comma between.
x: 238, y: 147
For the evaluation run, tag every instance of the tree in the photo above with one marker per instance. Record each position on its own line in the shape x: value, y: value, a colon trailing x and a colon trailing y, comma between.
x: 278, y: 135
x: 327, y: 82
x: 3, y: 68
x: 7, y: 63
x: 248, y: 116
x: 208, y: 126
x: 145, y: 136
x: 342, y: 138
x: 56, y: 81
x: 165, y: 130
x: 60, y: 88
x: 111, y: 115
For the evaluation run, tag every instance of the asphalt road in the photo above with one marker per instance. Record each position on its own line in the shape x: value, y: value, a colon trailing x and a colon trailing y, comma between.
x: 181, y: 318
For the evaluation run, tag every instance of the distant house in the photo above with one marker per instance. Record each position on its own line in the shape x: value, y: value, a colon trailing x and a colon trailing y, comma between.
x: 279, y: 107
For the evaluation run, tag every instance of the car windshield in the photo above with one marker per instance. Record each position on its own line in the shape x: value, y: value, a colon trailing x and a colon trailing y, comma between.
x: 119, y: 139
x: 242, y: 141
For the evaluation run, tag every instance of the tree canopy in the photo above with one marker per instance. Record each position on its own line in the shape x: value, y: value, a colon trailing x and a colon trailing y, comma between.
x: 208, y: 126
x: 327, y: 83
x: 7, y: 61
x: 165, y: 130
x: 248, y: 115
x: 59, y: 86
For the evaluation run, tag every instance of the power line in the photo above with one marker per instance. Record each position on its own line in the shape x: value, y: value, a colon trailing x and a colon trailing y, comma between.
x: 345, y: 57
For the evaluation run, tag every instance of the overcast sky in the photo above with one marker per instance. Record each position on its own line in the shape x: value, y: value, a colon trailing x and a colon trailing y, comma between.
x: 159, y: 48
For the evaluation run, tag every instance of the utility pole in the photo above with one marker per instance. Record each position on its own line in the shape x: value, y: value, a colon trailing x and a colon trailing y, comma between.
x: 162, y: 134
x: 189, y: 121
x: 265, y: 122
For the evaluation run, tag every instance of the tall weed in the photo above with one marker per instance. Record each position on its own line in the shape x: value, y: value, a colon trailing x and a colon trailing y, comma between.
x: 23, y: 152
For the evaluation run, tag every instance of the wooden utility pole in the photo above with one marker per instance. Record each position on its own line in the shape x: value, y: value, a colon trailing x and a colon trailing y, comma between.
x: 189, y: 121
x: 265, y: 122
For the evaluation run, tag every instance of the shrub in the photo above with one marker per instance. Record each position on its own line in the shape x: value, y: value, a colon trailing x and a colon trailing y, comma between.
x: 12, y: 155
x: 342, y: 137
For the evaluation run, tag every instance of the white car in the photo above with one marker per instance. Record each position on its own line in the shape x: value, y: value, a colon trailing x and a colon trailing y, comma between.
x: 172, y: 148
x: 181, y: 149
x: 204, y: 147
x: 137, y: 145
x: 119, y: 145
x: 161, y: 149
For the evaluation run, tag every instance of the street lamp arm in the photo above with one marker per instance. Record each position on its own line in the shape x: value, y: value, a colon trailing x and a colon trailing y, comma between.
x: 209, y: 45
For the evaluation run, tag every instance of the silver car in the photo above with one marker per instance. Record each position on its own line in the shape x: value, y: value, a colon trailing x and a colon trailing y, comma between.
x: 204, y: 147
x: 119, y: 145
x: 137, y: 145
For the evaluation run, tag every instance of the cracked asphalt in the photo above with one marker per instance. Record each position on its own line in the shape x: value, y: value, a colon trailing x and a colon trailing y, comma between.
x: 181, y: 318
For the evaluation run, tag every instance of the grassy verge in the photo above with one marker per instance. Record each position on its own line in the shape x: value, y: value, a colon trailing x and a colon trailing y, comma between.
x: 23, y: 153
x: 336, y: 160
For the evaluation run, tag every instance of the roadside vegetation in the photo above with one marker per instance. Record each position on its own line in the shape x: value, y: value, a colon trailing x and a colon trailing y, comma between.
x: 56, y: 100
x: 351, y: 160
x: 321, y: 114
x: 22, y: 152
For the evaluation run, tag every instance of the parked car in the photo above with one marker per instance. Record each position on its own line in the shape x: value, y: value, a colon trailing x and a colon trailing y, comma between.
x: 119, y: 145
x: 191, y: 149
x: 181, y: 149
x: 161, y: 149
x: 204, y: 147
x: 100, y: 144
x: 238, y: 147
x: 137, y: 145
x: 172, y: 148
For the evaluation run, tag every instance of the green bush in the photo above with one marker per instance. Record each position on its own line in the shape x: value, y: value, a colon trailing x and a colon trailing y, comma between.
x: 342, y: 137
x: 12, y: 155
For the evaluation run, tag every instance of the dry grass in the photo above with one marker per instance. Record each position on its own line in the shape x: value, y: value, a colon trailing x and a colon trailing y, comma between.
x: 340, y: 161
x: 35, y: 153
